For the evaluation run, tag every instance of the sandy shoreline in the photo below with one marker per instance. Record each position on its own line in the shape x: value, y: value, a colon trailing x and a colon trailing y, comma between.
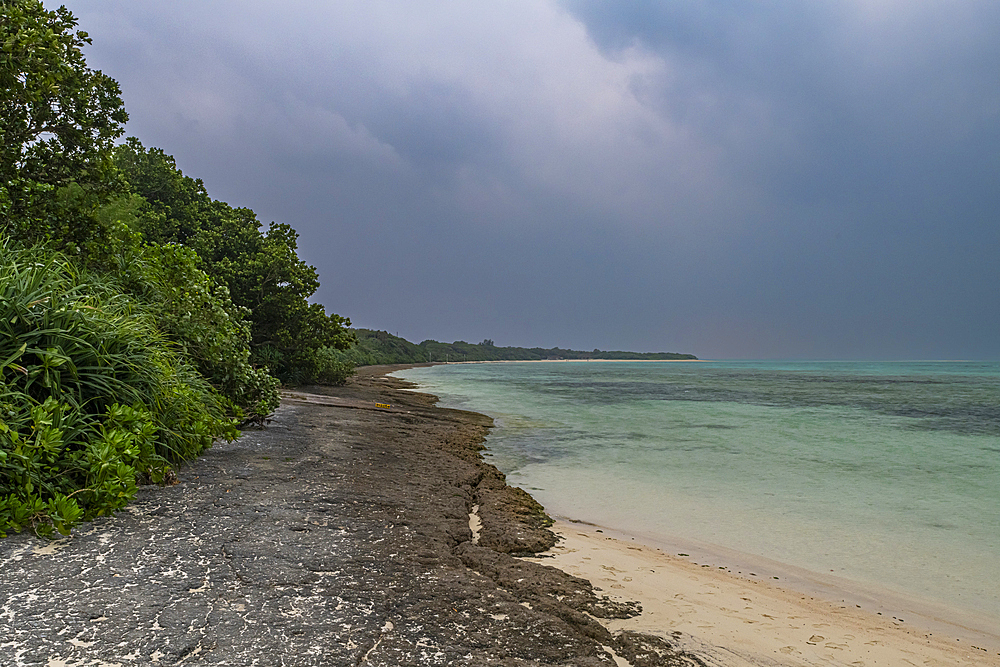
x: 736, y: 619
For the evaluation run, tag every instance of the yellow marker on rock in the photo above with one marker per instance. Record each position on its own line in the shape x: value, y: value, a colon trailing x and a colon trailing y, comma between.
x: 384, y: 406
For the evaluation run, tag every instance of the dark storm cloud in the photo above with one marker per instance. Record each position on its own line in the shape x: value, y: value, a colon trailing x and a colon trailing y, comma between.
x: 872, y: 130
x: 728, y: 178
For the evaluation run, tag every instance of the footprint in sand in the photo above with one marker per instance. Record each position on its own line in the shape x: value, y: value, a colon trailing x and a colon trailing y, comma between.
x: 815, y: 639
x: 839, y: 647
x: 788, y: 650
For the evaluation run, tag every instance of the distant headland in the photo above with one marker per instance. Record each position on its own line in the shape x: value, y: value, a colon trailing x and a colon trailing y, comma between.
x: 381, y: 347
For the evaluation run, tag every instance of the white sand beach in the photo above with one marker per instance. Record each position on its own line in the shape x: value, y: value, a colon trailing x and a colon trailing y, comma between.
x: 734, y: 619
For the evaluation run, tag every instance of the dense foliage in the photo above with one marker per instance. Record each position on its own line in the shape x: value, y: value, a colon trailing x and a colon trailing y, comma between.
x: 140, y: 319
x: 380, y: 347
x: 92, y: 395
x: 262, y: 270
x: 197, y: 314
x: 58, y: 119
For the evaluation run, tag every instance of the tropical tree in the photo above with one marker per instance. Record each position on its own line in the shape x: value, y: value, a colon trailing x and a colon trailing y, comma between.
x: 261, y: 269
x: 58, y: 122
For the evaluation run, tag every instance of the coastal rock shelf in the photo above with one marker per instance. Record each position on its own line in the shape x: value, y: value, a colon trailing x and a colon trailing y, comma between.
x: 339, y: 535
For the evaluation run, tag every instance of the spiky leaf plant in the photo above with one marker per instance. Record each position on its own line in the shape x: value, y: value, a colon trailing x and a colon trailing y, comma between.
x: 92, y: 395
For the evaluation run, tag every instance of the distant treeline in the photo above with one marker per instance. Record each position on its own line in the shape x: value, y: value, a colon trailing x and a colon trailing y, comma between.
x: 380, y: 347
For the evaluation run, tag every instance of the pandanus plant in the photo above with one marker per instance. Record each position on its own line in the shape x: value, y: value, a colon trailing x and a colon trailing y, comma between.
x: 92, y: 396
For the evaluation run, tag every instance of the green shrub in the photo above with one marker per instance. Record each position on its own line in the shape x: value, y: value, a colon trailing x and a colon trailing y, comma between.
x: 199, y: 316
x: 260, y: 267
x: 91, y: 395
x: 331, y: 369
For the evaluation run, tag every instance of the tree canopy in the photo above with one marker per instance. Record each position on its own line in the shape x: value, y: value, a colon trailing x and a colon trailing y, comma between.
x: 58, y: 122
x: 262, y: 270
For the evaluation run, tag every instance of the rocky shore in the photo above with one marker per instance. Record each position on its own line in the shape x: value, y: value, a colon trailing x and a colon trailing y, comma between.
x: 342, y: 534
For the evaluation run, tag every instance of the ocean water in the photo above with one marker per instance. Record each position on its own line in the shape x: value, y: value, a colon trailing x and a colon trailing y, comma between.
x: 886, y: 474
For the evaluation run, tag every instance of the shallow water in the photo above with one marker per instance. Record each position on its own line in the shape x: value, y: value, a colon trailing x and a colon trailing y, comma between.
x: 884, y: 473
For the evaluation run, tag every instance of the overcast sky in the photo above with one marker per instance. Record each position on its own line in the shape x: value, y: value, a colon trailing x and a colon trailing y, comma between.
x: 726, y: 178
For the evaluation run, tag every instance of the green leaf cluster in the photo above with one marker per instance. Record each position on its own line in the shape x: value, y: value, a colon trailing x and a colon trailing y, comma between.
x: 198, y: 315
x: 58, y: 120
x: 92, y: 395
x: 261, y: 268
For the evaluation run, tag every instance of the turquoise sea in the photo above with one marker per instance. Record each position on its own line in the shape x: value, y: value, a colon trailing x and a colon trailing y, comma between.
x: 885, y: 474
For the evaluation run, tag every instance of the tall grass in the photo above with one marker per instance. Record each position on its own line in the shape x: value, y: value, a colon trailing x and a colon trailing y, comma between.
x: 92, y: 395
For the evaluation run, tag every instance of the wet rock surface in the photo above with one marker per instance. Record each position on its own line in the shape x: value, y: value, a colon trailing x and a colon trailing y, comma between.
x: 338, y: 535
